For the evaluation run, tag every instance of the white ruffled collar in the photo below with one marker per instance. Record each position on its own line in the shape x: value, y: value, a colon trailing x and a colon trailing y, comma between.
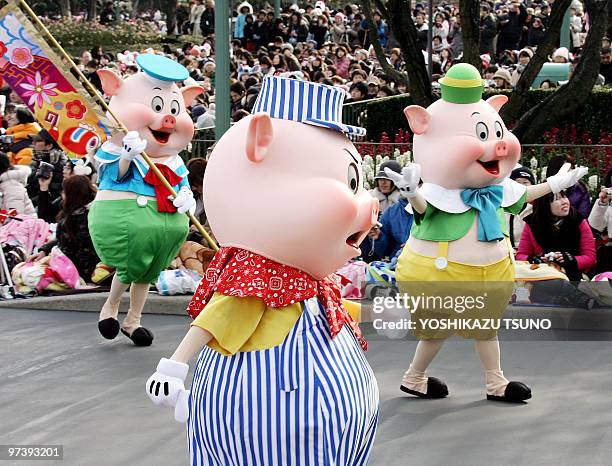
x: 449, y: 200
x: 173, y: 162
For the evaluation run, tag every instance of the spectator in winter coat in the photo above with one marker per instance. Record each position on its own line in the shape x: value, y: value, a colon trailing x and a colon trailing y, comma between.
x: 13, y: 194
x: 207, y: 20
x: 385, y: 190
x: 244, y: 9
x: 511, y: 27
x: 578, y: 194
x: 456, y: 35
x: 536, y: 33
x: 22, y: 127
x: 488, y: 30
x: 600, y: 219
x: 395, y: 230
x: 72, y: 234
x: 516, y: 223
x: 555, y: 227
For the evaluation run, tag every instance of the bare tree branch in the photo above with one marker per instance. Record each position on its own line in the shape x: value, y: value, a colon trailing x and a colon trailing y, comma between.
x: 572, y: 95
x: 510, y: 111
x: 382, y: 8
x: 380, y: 53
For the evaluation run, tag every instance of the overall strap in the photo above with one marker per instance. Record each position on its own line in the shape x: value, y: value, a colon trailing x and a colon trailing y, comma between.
x: 441, y: 261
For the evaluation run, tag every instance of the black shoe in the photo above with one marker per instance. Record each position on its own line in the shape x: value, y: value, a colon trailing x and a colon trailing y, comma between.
x: 141, y: 336
x: 435, y: 389
x: 109, y: 328
x: 516, y: 392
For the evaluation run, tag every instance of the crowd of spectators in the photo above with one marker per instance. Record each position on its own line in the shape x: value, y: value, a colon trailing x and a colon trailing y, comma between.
x: 312, y: 42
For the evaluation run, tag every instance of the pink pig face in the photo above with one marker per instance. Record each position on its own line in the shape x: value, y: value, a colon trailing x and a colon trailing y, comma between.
x: 463, y: 145
x: 288, y: 191
x: 157, y: 110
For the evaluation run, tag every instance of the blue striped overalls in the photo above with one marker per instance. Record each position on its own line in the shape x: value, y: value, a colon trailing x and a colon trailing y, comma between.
x: 308, y: 401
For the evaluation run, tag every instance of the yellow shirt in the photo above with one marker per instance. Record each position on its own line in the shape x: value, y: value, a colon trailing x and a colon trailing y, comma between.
x: 247, y: 324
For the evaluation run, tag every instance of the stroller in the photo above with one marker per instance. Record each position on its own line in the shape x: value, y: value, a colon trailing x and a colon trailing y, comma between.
x: 10, y: 255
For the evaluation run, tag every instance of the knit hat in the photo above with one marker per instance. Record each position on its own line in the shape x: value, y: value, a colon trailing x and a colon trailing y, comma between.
x: 526, y: 51
x: 522, y: 172
x: 462, y: 84
x: 504, y: 74
x: 391, y: 165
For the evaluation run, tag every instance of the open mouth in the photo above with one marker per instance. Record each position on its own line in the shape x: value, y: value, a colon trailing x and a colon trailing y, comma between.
x: 492, y: 167
x: 160, y: 136
x: 356, y: 238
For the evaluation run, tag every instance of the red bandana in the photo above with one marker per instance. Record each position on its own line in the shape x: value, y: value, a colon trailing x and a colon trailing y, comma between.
x: 161, y: 193
x: 237, y: 272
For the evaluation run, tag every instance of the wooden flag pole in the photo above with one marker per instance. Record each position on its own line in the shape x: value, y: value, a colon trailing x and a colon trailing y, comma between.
x: 102, y: 102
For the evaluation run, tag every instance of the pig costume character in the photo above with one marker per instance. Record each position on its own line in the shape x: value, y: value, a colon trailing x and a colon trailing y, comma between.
x: 283, y: 378
x: 135, y: 227
x: 463, y: 153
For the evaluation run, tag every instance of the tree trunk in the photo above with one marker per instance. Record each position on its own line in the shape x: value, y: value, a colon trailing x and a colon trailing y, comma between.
x: 511, y: 111
x: 398, y: 15
x: 91, y: 10
x: 470, y: 27
x: 65, y: 8
x: 170, y: 10
x: 380, y: 53
x: 572, y: 95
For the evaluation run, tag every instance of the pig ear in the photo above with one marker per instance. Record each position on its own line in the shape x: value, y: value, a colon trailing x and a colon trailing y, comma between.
x: 418, y: 118
x: 111, y: 82
x: 497, y: 101
x: 259, y: 137
x: 190, y: 93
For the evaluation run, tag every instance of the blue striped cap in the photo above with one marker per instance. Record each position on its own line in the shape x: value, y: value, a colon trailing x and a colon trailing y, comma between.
x: 311, y: 103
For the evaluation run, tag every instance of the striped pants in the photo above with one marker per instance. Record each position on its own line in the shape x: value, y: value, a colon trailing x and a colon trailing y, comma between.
x: 309, y: 401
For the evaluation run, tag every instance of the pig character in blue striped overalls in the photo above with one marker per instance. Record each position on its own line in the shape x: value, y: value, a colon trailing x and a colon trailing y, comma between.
x: 282, y: 378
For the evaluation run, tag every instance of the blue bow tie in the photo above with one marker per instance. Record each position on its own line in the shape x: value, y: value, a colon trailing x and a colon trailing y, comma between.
x: 486, y: 201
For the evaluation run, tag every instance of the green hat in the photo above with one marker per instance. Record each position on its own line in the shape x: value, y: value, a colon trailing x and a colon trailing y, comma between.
x: 462, y: 84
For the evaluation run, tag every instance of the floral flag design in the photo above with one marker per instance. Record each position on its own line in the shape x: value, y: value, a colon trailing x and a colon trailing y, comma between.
x: 57, y: 99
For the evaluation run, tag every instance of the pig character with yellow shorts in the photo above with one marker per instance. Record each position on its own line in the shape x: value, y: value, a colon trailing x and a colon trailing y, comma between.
x: 458, y: 245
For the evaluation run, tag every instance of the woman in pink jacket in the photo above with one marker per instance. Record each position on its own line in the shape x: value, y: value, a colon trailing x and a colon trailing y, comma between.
x: 557, y: 230
x: 555, y: 227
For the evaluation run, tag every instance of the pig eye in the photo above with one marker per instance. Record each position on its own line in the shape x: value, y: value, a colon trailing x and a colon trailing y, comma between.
x: 353, y: 177
x: 482, y: 131
x: 175, y: 107
x: 157, y: 104
x: 499, y: 130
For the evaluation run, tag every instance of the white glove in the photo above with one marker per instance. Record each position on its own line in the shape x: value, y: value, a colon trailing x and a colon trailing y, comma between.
x: 167, y: 386
x: 566, y: 178
x: 408, y: 181
x: 133, y: 146
x: 184, y: 201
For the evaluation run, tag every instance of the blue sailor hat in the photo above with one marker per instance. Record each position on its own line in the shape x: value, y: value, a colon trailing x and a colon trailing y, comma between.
x: 162, y: 68
x: 305, y: 102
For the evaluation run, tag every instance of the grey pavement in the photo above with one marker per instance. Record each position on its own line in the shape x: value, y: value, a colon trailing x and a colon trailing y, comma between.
x: 61, y: 383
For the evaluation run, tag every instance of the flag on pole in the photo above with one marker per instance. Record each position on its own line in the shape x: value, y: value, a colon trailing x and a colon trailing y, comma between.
x: 47, y: 86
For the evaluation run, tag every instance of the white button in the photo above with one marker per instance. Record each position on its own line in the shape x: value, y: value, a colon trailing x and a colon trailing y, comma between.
x: 141, y: 201
x: 441, y: 263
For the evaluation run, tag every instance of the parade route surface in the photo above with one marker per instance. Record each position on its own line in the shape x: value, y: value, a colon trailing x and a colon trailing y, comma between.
x: 62, y: 384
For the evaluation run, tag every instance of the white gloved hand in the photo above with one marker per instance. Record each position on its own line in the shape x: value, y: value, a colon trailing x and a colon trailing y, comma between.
x: 133, y: 146
x: 167, y: 384
x: 408, y: 181
x: 566, y: 178
x: 184, y: 201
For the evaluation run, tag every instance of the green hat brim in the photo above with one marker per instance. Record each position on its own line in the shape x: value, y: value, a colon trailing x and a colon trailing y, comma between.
x: 461, y: 95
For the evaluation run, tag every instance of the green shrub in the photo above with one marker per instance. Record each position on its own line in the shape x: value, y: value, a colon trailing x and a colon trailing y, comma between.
x: 77, y: 36
x: 386, y: 115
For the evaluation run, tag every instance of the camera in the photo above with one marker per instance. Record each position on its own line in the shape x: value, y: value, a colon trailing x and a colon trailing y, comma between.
x: 6, y: 142
x: 45, y: 170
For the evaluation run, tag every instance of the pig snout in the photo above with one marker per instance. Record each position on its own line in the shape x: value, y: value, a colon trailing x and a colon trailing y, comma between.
x: 168, y: 122
x: 501, y: 149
